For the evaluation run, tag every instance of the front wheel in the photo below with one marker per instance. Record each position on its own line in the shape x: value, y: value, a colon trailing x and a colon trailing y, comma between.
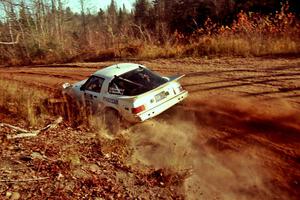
x: 112, y: 120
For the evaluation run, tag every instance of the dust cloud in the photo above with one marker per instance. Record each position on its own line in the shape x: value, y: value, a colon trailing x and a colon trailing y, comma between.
x: 219, y: 141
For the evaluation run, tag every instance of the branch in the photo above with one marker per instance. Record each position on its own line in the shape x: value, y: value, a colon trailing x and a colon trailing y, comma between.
x: 140, y: 30
x: 25, y: 133
x: 12, y: 42
x: 10, y: 3
x: 22, y: 135
x: 14, y: 127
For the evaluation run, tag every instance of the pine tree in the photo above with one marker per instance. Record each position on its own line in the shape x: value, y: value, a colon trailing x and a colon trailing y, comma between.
x: 141, y: 12
x: 121, y: 18
x: 101, y: 18
x: 112, y: 16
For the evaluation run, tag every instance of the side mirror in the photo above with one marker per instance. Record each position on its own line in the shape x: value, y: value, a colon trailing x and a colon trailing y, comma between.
x: 82, y: 88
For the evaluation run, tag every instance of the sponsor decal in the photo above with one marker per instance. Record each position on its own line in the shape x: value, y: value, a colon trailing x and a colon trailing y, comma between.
x: 113, y: 101
x: 116, y: 91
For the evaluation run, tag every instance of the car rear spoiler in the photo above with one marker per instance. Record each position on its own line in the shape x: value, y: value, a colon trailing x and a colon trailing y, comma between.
x: 175, y: 78
x: 171, y: 79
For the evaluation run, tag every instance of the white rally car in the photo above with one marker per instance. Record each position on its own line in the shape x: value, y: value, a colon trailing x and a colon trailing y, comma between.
x: 128, y: 90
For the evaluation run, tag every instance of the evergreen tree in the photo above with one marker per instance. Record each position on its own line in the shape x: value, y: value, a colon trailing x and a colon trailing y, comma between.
x: 68, y: 14
x: 121, y: 18
x: 112, y: 16
x: 141, y: 12
x: 101, y: 18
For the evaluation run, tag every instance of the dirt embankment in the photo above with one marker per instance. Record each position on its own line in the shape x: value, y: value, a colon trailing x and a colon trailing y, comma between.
x: 236, y: 137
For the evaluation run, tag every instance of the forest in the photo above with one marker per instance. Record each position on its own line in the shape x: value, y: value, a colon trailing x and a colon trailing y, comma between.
x: 47, y: 31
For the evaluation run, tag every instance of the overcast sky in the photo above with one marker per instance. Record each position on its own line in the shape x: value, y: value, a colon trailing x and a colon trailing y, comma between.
x: 94, y: 5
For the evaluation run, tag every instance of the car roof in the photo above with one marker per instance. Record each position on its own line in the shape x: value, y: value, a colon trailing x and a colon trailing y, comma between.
x: 116, y: 70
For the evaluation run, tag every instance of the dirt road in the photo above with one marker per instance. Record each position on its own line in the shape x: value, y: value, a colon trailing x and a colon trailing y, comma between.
x: 251, y: 77
x: 238, y: 132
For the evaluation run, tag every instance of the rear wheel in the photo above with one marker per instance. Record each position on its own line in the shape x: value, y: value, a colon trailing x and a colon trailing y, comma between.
x: 112, y: 120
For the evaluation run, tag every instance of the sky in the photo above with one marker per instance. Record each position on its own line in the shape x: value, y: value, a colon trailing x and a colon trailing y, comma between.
x: 95, y: 5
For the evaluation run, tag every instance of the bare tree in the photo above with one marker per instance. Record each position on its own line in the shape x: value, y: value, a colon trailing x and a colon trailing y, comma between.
x: 8, y: 7
x: 83, y: 18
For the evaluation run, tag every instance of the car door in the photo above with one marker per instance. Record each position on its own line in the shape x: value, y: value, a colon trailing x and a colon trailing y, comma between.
x: 92, y: 92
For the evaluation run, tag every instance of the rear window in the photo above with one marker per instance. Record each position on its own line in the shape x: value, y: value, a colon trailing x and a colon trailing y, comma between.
x: 135, y: 82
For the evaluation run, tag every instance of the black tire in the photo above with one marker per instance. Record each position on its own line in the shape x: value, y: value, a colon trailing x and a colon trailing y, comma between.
x: 112, y: 120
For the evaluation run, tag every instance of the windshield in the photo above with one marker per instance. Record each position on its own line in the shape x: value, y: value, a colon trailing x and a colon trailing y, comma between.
x: 136, y: 82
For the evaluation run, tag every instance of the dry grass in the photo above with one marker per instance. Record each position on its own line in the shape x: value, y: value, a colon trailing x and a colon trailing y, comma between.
x: 242, y: 46
x: 23, y: 101
x: 151, y: 51
x: 219, y: 45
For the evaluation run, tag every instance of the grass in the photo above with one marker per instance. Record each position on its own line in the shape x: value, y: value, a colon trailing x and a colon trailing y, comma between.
x: 37, y: 106
x: 242, y: 46
x: 220, y: 45
x: 23, y: 101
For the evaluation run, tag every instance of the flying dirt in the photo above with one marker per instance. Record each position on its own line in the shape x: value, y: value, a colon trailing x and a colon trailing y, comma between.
x: 232, y: 150
x: 235, y: 137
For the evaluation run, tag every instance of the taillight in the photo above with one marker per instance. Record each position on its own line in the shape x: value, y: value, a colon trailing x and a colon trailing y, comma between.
x: 138, y: 109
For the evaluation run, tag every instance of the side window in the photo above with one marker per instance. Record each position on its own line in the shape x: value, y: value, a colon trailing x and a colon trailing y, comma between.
x: 94, y: 84
x: 116, y: 87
